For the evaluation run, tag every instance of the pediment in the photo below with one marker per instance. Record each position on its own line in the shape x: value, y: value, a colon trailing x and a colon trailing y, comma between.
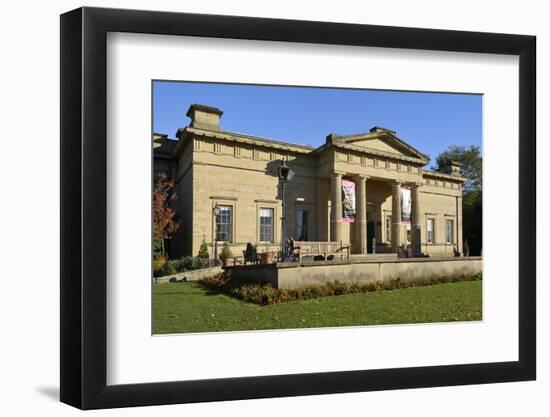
x: 379, y: 145
x: 380, y: 142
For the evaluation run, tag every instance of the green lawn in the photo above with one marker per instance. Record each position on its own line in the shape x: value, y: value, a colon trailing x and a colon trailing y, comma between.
x: 188, y: 307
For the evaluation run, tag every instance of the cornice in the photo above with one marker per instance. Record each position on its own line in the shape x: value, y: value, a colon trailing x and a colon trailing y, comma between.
x: 373, y: 152
x: 383, y: 134
x: 249, y: 140
x: 435, y: 174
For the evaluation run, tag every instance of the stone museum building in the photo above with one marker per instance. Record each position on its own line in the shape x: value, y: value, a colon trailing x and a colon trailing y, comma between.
x: 239, y: 174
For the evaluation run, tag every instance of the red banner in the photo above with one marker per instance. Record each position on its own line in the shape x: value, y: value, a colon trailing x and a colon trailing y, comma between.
x: 406, y: 206
x: 348, y: 201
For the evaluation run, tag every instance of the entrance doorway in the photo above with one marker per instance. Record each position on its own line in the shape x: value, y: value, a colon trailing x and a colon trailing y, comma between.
x: 370, y: 235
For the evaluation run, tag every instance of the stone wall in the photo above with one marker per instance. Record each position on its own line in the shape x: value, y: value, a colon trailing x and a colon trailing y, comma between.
x: 193, y: 275
x: 290, y: 275
x: 441, y: 200
x: 247, y: 186
x: 218, y: 167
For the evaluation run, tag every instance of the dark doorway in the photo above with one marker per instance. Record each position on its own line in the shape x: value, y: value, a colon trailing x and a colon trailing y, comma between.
x: 370, y: 235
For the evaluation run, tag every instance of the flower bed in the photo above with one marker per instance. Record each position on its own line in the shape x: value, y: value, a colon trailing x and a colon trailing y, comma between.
x: 266, y: 294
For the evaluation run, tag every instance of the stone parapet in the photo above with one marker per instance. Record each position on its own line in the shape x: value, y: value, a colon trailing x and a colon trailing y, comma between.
x: 298, y: 275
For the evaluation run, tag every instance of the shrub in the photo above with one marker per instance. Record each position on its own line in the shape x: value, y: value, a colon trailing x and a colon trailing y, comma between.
x: 159, y: 261
x: 174, y: 266
x: 163, y: 269
x: 203, y: 251
x: 265, y: 294
x: 226, y: 252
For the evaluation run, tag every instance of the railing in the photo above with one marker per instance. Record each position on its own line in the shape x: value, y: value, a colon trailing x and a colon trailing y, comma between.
x: 325, y: 249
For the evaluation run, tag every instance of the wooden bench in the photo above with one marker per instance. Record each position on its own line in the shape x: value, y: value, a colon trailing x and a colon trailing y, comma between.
x: 250, y: 254
x: 324, y: 249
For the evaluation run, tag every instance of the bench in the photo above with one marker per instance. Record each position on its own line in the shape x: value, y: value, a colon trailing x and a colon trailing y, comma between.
x: 250, y: 254
x: 324, y: 249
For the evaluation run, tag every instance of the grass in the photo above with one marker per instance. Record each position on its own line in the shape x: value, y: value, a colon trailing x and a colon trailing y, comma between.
x: 189, y: 307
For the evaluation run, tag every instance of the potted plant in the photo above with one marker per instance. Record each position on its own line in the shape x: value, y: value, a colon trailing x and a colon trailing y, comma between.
x: 226, y: 254
x: 266, y: 258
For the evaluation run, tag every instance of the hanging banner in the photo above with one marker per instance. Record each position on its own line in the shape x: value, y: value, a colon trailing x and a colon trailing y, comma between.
x: 406, y: 205
x: 348, y: 201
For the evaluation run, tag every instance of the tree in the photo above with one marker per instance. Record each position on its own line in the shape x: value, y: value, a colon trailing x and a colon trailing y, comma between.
x: 472, y: 221
x: 203, y: 250
x: 472, y: 201
x: 164, y: 217
x: 470, y: 158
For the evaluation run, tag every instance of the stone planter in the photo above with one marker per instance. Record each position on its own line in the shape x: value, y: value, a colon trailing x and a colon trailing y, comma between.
x: 266, y: 258
x: 228, y: 262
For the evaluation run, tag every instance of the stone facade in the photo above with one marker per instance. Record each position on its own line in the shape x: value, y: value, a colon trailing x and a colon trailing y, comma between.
x: 239, y: 173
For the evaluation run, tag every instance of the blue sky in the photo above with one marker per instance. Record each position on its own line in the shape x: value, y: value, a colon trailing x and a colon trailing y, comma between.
x: 430, y: 122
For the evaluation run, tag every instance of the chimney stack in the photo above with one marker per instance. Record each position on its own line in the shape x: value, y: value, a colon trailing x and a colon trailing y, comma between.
x: 451, y: 167
x: 204, y: 117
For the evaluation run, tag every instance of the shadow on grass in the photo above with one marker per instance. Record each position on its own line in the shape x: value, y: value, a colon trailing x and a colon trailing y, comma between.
x: 212, y: 290
x: 198, y: 285
x: 215, y: 290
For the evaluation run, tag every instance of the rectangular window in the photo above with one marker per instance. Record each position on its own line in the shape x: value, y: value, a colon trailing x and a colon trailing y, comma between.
x: 409, y: 233
x: 302, y: 225
x: 224, y: 224
x: 388, y: 229
x: 266, y: 225
x: 450, y: 231
x: 430, y: 223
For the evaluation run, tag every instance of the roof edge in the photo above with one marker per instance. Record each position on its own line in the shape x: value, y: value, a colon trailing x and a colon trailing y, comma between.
x: 438, y: 174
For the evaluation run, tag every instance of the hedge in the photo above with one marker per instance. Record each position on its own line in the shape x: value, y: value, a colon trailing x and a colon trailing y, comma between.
x: 265, y: 294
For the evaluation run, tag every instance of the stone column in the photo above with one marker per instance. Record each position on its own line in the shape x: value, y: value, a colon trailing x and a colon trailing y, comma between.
x: 396, y: 216
x: 459, y: 222
x: 416, y: 219
x: 361, y: 213
x: 322, y: 221
x: 336, y: 207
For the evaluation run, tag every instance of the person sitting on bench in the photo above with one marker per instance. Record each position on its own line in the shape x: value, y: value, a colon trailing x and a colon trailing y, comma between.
x: 250, y: 254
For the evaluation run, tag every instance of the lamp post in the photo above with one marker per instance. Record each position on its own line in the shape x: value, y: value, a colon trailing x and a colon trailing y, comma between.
x: 216, y: 212
x: 285, y: 174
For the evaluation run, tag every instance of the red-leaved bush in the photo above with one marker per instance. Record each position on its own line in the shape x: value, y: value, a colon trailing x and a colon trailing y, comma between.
x: 265, y: 294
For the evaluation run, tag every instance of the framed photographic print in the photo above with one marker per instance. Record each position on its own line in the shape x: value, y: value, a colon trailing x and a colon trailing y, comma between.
x: 257, y: 208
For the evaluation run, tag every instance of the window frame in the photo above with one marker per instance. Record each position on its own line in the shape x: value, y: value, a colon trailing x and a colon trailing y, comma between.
x: 223, y: 201
x: 272, y: 209
x: 452, y: 231
x: 268, y: 204
x: 432, y: 220
x: 231, y: 224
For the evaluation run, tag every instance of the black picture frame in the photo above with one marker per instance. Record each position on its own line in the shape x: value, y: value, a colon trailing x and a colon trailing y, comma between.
x: 84, y: 207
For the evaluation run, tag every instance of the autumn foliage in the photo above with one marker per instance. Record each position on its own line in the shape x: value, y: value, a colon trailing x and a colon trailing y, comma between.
x: 164, y: 217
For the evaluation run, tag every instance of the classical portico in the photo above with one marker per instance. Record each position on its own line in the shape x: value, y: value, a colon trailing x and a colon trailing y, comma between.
x: 213, y: 167
x: 381, y: 165
x: 400, y: 234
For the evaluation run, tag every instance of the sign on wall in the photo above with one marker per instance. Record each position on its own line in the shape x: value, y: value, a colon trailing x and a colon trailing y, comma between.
x: 406, y: 205
x: 348, y: 201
